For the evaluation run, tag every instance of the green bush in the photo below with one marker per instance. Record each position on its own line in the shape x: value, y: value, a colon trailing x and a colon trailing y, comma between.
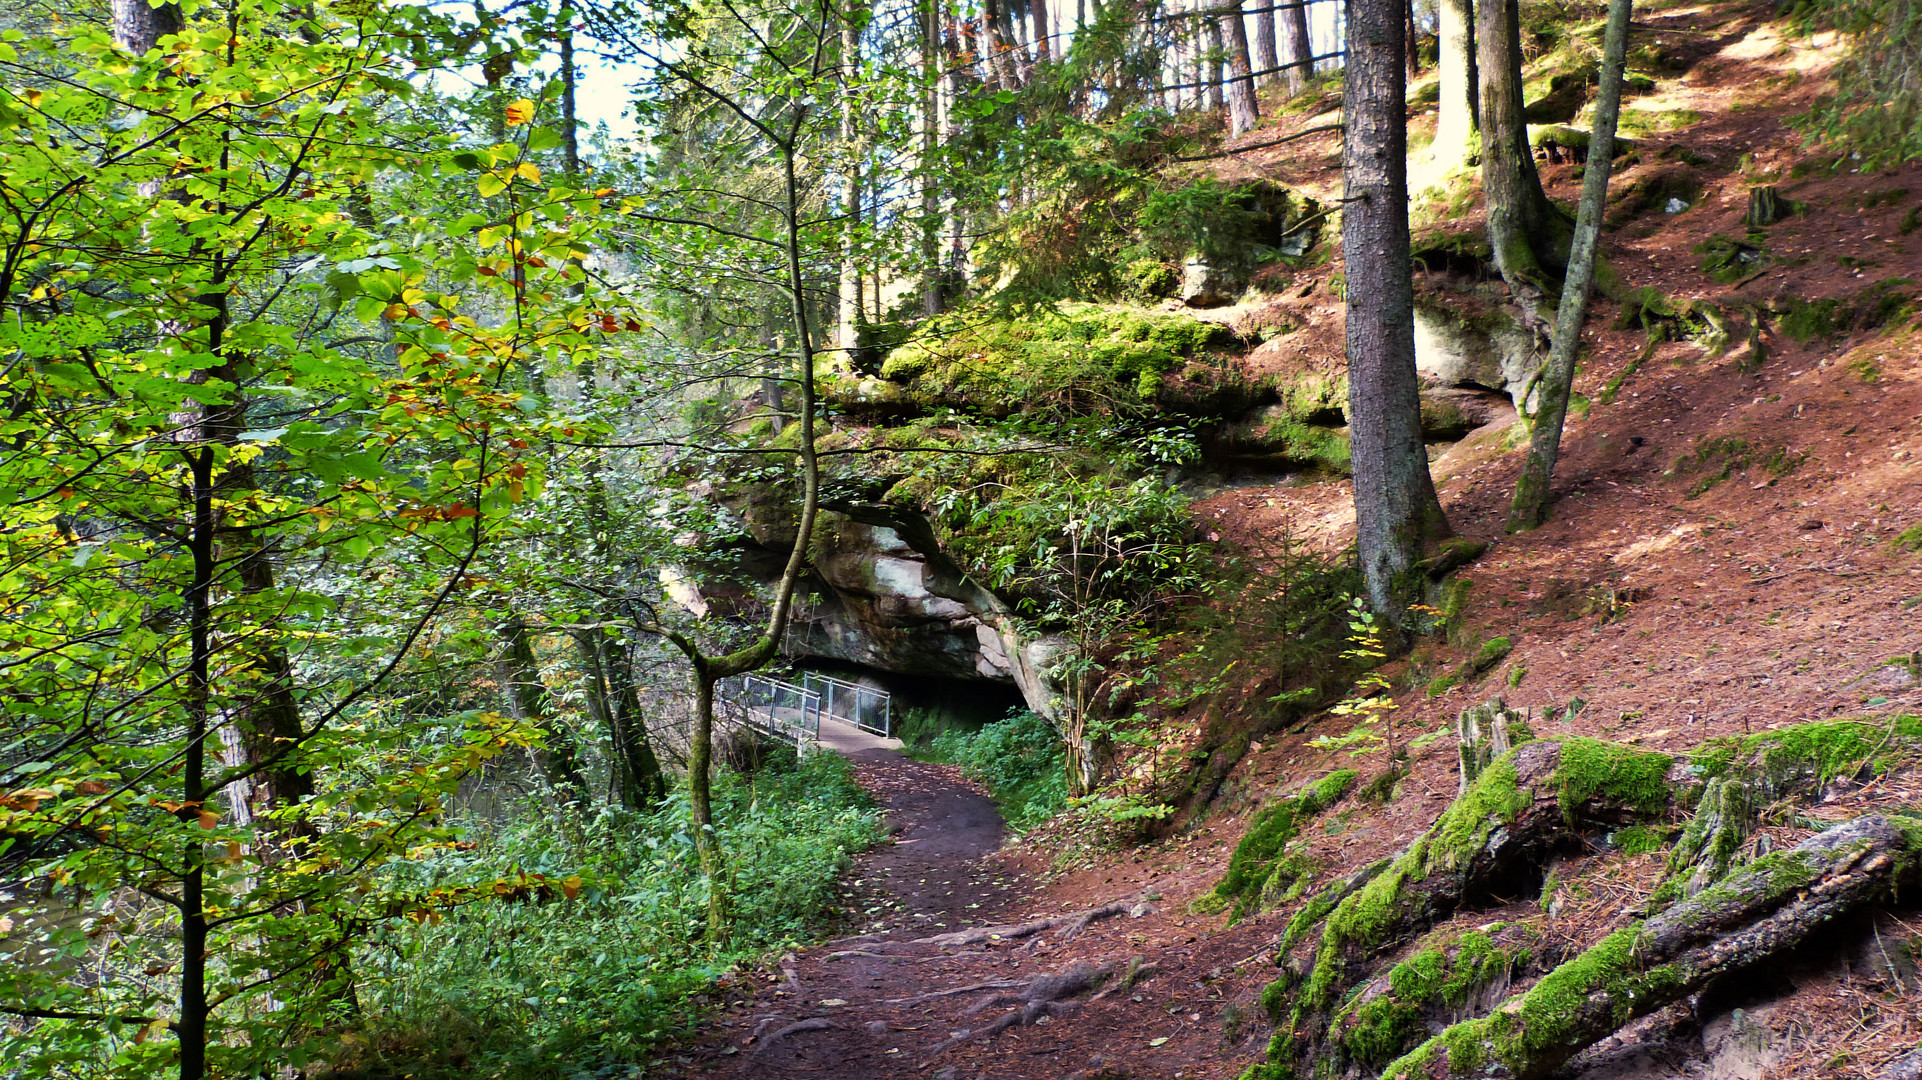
x: 595, y: 966
x: 1019, y: 760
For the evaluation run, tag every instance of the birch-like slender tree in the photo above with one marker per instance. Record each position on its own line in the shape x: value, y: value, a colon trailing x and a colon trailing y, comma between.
x: 1530, y: 507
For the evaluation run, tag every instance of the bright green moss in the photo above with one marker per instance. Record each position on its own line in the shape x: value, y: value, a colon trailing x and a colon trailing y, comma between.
x: 1464, y: 828
x: 1910, y: 539
x: 1257, y: 859
x: 1076, y: 348
x: 1639, y: 840
x: 1382, y: 1027
x: 1620, y: 774
x: 1419, y: 977
x: 1815, y: 752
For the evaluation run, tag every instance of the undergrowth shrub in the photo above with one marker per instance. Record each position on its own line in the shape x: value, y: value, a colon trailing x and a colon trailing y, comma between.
x: 1019, y: 761
x: 1877, y: 111
x: 598, y: 965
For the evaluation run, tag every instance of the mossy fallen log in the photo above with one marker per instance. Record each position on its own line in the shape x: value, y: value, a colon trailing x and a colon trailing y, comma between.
x: 1493, y: 839
x: 1767, y: 908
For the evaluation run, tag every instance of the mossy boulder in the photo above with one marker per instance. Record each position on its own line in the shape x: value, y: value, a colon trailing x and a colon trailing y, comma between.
x: 1075, y: 358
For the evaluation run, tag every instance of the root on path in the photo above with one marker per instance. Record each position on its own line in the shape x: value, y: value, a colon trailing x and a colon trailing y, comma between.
x: 1070, y: 925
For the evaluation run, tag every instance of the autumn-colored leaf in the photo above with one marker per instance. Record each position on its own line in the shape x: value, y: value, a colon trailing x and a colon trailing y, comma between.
x: 571, y: 886
x: 520, y: 112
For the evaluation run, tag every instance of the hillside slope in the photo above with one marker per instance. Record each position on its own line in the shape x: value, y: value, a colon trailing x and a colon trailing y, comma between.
x: 1735, y: 553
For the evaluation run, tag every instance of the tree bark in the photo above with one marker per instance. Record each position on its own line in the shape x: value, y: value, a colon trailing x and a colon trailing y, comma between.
x: 852, y: 312
x: 1265, y: 57
x: 932, y: 300
x: 1529, y: 237
x: 1398, y: 518
x: 1413, y: 44
x: 527, y: 700
x: 139, y: 26
x: 1243, y: 113
x: 1455, y: 119
x: 1753, y: 916
x: 1043, y: 46
x: 1296, y: 49
x: 1000, y: 35
x: 1213, y: 51
x: 1530, y: 507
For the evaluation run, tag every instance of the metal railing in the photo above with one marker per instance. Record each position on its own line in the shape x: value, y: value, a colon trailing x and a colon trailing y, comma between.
x: 863, y: 706
x: 779, y: 709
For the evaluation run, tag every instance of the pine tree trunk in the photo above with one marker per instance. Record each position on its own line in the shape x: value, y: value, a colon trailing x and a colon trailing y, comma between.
x: 1265, y: 58
x: 1413, y: 45
x: 1528, y: 237
x: 1296, y: 49
x: 1530, y: 507
x: 1213, y: 52
x: 1455, y: 117
x: 1243, y: 113
x: 1043, y: 46
x: 930, y: 125
x: 1397, y: 515
x: 852, y: 314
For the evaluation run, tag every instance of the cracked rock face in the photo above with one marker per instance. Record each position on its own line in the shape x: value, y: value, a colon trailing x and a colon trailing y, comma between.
x: 880, y: 604
x: 1495, y: 353
x: 883, y: 595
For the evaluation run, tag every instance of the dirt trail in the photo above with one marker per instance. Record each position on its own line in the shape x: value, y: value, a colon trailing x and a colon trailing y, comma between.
x: 892, y: 1003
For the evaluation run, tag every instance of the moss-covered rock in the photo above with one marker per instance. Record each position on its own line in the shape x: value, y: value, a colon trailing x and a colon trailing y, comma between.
x: 1078, y: 358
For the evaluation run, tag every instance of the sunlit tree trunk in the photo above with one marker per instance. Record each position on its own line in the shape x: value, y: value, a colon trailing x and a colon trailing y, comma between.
x: 1242, y: 111
x: 1213, y: 51
x: 1296, y: 50
x: 853, y: 315
x: 1397, y: 515
x: 1265, y: 57
x: 1455, y: 117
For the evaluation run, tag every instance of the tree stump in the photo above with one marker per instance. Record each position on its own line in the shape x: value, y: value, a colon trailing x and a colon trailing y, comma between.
x: 1483, y: 731
x: 1765, y: 207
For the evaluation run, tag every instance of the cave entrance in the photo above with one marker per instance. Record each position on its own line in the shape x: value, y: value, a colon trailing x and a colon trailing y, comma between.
x: 923, y: 706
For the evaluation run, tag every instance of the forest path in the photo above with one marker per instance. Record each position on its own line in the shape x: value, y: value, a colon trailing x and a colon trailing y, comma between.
x: 865, y: 1006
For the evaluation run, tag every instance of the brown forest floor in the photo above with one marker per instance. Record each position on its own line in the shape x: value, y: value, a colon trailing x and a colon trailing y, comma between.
x: 1764, y: 600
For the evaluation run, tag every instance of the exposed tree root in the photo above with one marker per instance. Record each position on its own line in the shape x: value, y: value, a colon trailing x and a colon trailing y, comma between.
x: 1071, y: 925
x: 817, y: 1023
x: 1043, y: 995
x: 1757, y: 913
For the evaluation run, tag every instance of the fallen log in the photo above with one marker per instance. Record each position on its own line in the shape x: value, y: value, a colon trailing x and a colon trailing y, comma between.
x: 1756, y: 913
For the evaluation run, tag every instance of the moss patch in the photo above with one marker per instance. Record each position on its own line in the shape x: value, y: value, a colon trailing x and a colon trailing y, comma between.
x: 1260, y: 854
x: 1080, y: 357
x: 1591, y: 768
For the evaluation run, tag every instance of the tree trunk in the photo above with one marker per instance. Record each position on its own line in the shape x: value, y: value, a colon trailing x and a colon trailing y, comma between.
x: 994, y: 16
x: 1242, y: 111
x: 527, y: 700
x: 930, y: 123
x: 1413, y: 45
x: 1530, y: 508
x: 1213, y: 52
x: 1529, y: 237
x: 1759, y: 913
x: 1265, y: 59
x: 139, y: 26
x: 1455, y: 117
x: 1296, y: 50
x: 1043, y: 46
x: 615, y: 706
x: 1398, y: 518
x: 700, y: 763
x: 852, y: 314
